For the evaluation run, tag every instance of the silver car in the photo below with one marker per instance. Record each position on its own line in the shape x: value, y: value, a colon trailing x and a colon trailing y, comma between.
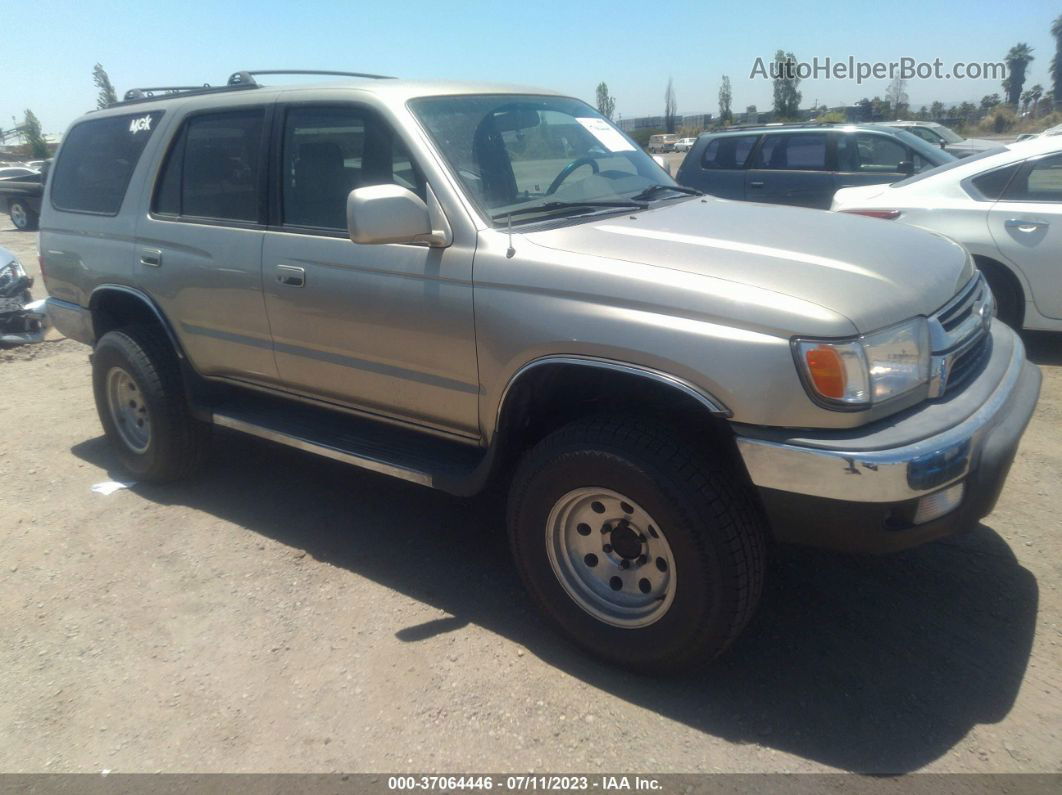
x: 465, y: 284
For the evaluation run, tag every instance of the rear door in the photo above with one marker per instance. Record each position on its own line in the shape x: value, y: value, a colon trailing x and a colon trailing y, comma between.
x: 1026, y: 225
x: 198, y: 249
x: 792, y: 168
x: 717, y: 165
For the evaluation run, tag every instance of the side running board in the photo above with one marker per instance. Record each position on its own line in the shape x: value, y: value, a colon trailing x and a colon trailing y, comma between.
x: 408, y: 455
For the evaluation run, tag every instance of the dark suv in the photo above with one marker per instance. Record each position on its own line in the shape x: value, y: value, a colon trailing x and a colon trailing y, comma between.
x: 803, y: 165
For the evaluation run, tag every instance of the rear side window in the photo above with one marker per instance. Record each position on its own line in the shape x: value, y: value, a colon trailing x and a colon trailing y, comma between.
x: 797, y: 151
x: 871, y: 153
x: 212, y: 168
x: 992, y: 184
x: 97, y: 162
x: 729, y: 152
x: 1040, y: 182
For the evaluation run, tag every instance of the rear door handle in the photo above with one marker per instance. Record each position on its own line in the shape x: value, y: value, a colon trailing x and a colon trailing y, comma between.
x: 151, y: 257
x: 756, y: 184
x: 291, y: 275
x: 1025, y: 225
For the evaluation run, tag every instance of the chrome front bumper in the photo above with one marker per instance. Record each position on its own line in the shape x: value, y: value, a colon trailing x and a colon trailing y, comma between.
x: 923, y: 450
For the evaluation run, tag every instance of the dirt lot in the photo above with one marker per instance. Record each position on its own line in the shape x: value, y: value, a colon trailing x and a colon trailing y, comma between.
x: 284, y: 613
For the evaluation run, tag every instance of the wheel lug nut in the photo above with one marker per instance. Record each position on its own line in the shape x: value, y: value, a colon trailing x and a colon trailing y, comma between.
x: 643, y: 560
x: 607, y: 548
x: 625, y: 564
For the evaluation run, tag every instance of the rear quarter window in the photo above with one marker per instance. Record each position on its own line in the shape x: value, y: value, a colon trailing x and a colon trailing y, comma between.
x: 729, y: 152
x: 97, y: 162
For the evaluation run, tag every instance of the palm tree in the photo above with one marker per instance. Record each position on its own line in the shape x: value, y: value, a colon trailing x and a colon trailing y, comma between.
x: 1026, y: 98
x: 1056, y: 62
x: 1017, y: 60
x: 1035, y: 93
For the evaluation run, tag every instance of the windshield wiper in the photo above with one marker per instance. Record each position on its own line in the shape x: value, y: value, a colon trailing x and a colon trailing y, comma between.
x: 652, y: 190
x: 549, y: 206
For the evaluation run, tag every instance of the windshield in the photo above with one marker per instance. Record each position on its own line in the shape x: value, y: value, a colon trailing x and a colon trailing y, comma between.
x: 515, y: 153
x: 947, y: 134
x: 965, y: 161
x: 934, y: 154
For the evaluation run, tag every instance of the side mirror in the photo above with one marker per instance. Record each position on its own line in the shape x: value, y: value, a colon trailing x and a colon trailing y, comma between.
x: 664, y: 163
x: 905, y: 167
x: 387, y: 214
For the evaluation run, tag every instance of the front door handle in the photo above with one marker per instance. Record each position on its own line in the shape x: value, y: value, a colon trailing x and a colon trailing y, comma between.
x: 151, y: 257
x: 1025, y: 225
x: 291, y: 275
x: 758, y: 183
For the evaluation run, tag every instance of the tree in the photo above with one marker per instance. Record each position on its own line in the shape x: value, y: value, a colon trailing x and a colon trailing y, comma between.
x: 966, y: 110
x: 1026, y: 98
x: 896, y: 96
x: 107, y: 95
x: 1056, y: 62
x: 31, y: 131
x: 1017, y: 60
x: 670, y: 108
x: 606, y: 104
x: 1035, y: 93
x: 989, y: 101
x: 786, y: 80
x: 936, y: 110
x: 726, y: 115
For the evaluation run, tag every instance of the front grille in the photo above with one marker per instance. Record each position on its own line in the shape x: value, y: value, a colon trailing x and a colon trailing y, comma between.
x: 959, y: 337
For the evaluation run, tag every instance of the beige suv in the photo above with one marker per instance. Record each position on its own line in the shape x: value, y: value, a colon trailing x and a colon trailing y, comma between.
x: 461, y: 285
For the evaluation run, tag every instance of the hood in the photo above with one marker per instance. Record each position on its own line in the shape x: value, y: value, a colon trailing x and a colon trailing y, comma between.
x: 971, y: 146
x: 871, y: 272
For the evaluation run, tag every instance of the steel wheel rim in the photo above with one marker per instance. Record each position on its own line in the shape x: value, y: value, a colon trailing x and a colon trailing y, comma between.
x: 624, y: 547
x: 18, y: 215
x: 128, y: 409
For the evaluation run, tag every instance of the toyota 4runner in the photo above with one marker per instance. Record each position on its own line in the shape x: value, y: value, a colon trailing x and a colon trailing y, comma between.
x: 462, y: 285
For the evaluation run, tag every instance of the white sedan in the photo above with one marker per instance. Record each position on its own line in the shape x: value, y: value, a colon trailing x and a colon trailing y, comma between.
x: 1004, y: 206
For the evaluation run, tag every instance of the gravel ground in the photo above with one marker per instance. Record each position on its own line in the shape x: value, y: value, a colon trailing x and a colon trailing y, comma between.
x: 285, y: 613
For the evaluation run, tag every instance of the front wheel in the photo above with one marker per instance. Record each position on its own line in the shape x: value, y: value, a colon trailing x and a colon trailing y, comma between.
x: 141, y: 402
x: 636, y: 546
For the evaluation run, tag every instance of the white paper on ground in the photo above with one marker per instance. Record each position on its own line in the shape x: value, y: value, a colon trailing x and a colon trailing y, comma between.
x: 108, y: 487
x: 608, y: 135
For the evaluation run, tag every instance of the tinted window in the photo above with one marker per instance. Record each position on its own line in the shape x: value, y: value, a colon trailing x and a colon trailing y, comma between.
x: 97, y: 162
x: 729, y: 152
x: 803, y: 151
x: 1040, y: 183
x: 212, y: 168
x: 870, y: 153
x: 925, y: 134
x: 330, y: 151
x: 992, y: 184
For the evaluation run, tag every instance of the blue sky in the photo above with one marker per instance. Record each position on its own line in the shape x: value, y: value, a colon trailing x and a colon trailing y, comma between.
x: 569, y: 46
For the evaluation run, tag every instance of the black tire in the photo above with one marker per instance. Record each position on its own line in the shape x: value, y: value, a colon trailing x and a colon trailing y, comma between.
x: 178, y: 442
x: 22, y: 216
x: 1010, y: 302
x: 713, y: 526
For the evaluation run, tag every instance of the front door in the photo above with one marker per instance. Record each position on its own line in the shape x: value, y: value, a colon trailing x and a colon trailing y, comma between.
x: 387, y: 329
x: 1026, y: 225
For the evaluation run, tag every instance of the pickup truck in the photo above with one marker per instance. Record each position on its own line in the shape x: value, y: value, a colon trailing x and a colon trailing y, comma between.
x: 20, y: 197
x: 478, y: 287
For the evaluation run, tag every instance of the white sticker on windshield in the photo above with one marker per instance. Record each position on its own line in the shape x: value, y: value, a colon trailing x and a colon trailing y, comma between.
x: 608, y: 135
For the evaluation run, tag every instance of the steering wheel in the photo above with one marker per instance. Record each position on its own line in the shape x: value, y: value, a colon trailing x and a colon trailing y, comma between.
x: 585, y: 160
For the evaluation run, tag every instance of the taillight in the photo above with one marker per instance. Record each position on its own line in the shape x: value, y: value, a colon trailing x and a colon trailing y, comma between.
x: 888, y: 215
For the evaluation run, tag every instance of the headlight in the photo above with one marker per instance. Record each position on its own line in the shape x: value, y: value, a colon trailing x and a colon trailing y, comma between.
x: 11, y: 273
x: 868, y: 370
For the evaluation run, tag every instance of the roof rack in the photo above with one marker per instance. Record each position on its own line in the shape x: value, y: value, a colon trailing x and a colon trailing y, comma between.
x: 246, y: 77
x: 237, y: 81
x: 788, y: 125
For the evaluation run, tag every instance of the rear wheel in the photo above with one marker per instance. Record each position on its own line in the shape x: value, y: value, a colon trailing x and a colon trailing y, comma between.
x: 636, y: 546
x: 141, y: 402
x: 22, y: 216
